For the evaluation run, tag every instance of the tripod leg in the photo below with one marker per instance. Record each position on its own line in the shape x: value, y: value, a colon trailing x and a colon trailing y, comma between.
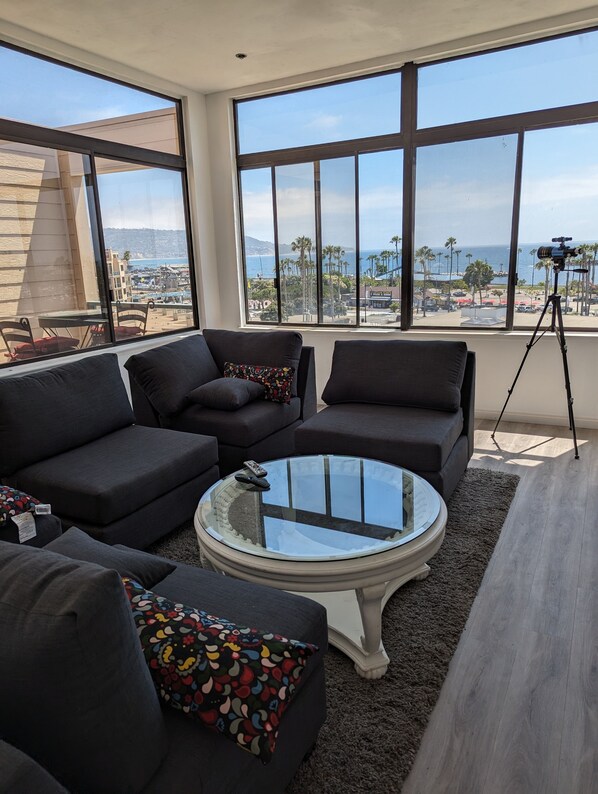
x: 528, y: 347
x: 563, y: 345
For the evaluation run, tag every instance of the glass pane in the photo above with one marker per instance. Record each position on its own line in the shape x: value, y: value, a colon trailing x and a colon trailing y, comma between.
x: 337, y: 200
x: 258, y: 229
x: 355, y: 109
x: 380, y: 223
x: 559, y: 197
x: 52, y: 297
x: 57, y: 96
x: 546, y: 74
x: 463, y: 213
x: 295, y: 210
x: 146, y: 248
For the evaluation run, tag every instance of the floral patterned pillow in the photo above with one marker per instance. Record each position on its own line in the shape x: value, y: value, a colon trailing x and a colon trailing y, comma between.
x: 13, y: 502
x: 276, y: 380
x: 237, y: 681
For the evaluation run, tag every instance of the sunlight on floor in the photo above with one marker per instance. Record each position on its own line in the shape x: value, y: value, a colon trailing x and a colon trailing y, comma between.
x: 527, y: 450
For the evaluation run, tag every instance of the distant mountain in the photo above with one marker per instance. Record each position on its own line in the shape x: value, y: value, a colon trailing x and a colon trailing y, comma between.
x: 147, y: 243
x: 255, y: 247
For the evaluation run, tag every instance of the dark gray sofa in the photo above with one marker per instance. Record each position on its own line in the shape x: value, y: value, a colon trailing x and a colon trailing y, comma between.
x: 76, y: 693
x: 67, y: 436
x: 410, y: 403
x: 162, y: 378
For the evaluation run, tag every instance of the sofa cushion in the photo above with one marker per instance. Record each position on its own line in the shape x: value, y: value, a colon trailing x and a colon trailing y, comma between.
x: 147, y: 569
x: 227, y: 394
x: 75, y: 690
x: 250, y: 424
x: 235, y: 680
x: 48, y: 412
x: 167, y: 373
x: 418, y: 439
x: 397, y: 372
x: 20, y: 774
x: 119, y: 473
x: 272, y: 348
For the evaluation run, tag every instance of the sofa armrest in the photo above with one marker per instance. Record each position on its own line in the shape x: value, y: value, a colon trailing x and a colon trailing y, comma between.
x: 468, y: 401
x: 145, y: 413
x: 306, y: 382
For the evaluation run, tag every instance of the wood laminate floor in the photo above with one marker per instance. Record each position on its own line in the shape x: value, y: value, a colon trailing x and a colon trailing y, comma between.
x: 518, y: 712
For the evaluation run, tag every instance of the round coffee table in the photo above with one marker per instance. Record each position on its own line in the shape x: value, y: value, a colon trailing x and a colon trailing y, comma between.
x: 346, y: 531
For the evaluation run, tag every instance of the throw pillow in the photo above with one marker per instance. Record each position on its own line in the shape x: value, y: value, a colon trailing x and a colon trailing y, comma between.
x: 227, y: 394
x: 13, y: 502
x: 277, y: 381
x: 144, y: 568
x: 235, y: 680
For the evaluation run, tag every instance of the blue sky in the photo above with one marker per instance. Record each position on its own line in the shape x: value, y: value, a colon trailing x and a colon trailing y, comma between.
x: 39, y: 92
x: 463, y: 189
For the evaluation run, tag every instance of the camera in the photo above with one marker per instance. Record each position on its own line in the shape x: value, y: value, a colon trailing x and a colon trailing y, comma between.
x: 557, y: 253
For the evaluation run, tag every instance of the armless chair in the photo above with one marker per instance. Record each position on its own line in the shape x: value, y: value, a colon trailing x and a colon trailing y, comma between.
x: 404, y: 402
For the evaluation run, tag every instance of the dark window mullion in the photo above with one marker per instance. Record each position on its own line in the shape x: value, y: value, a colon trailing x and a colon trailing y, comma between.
x: 99, y: 230
x: 513, y: 275
x: 318, y: 227
x: 357, y: 247
x: 408, y: 121
x: 276, y: 253
x: 82, y: 144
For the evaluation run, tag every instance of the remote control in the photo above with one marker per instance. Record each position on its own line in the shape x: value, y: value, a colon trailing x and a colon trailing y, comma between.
x: 251, y: 479
x: 255, y: 468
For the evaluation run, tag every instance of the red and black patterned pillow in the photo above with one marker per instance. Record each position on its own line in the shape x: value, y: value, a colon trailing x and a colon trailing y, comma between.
x: 237, y: 681
x: 13, y: 502
x: 276, y: 380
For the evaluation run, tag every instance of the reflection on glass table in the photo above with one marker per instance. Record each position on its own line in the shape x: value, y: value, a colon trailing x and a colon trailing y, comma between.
x: 322, y: 507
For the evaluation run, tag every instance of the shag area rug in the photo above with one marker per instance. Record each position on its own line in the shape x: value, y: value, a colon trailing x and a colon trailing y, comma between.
x: 374, y: 728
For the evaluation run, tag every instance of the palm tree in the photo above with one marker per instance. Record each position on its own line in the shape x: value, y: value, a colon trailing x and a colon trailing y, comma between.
x: 424, y: 255
x: 545, y: 265
x: 329, y: 252
x: 395, y: 239
x: 286, y: 268
x: 451, y: 242
x: 532, y: 253
x: 303, y: 245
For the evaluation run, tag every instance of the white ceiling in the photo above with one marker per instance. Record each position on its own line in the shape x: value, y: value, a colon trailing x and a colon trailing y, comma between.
x: 193, y: 42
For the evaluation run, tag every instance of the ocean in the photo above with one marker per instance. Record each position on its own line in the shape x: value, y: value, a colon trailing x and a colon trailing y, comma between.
x: 496, y: 255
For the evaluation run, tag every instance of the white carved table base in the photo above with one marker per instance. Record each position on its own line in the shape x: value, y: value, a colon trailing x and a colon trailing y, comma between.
x: 355, y: 621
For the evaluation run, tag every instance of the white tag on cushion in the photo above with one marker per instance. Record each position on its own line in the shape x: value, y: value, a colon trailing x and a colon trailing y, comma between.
x: 26, y: 525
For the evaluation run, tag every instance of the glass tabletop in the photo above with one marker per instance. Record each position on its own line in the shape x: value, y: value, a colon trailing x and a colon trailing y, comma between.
x: 321, y: 507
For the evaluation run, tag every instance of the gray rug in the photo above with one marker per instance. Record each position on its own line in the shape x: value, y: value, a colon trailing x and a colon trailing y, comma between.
x: 374, y: 728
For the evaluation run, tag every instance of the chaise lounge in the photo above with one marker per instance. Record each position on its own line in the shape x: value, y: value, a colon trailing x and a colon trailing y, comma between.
x: 67, y: 436
x: 180, y: 386
x: 404, y: 402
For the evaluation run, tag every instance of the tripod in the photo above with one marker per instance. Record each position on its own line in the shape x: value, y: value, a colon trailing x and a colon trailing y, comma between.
x: 556, y: 326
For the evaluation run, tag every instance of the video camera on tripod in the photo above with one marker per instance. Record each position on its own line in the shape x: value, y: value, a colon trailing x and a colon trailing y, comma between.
x: 559, y: 254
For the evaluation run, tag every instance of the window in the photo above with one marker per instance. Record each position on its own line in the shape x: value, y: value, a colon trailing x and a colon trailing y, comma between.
x: 463, y: 214
x: 353, y: 109
x: 93, y: 226
x: 364, y: 213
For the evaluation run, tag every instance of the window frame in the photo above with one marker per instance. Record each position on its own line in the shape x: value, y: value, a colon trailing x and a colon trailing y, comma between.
x: 61, y: 140
x: 409, y: 138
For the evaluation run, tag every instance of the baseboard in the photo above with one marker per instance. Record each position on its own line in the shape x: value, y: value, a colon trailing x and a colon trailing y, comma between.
x: 539, y: 419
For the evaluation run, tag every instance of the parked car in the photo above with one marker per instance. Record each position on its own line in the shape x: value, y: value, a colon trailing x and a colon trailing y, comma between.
x: 459, y: 293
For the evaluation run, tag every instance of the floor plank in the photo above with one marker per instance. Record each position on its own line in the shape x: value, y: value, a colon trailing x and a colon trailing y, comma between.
x: 519, y: 709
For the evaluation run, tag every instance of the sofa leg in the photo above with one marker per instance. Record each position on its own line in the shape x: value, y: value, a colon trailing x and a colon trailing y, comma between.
x: 307, y: 755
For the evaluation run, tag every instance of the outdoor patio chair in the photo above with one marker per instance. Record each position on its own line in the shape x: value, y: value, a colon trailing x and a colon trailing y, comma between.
x: 131, y: 319
x: 20, y: 344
